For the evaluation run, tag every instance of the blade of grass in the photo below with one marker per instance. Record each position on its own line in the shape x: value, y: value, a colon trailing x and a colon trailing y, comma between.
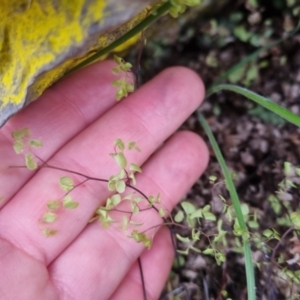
x: 254, y: 56
x: 237, y: 207
x: 131, y: 33
x: 265, y: 102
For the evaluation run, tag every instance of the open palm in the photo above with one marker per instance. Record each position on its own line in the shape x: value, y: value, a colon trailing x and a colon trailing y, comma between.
x: 78, y: 120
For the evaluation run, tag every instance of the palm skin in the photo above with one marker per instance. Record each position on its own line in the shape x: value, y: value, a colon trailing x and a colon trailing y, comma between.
x: 78, y: 120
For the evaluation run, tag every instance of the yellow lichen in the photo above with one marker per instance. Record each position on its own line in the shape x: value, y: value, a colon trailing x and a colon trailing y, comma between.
x: 41, y: 39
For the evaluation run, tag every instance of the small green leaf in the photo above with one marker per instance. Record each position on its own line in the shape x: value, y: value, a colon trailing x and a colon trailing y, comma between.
x: 253, y: 224
x: 182, y: 239
x: 209, y: 216
x: 109, y: 205
x: 1, y: 198
x: 242, y: 33
x: 120, y: 94
x: 236, y: 75
x: 117, y: 82
x: 68, y: 198
x: 195, y: 234
x: 116, y: 70
x: 120, y: 144
x: 53, y: 204
x: 111, y: 186
x: 212, y: 178
x: 154, y: 200
x: 245, y: 236
x: 179, y: 216
x: 49, y: 232
x: 122, y: 65
x: 183, y: 252
x: 128, y: 196
x: 120, y: 186
x: 287, y: 168
x: 206, y: 208
x: 66, y: 183
x: 132, y: 223
x: 179, y: 262
x: 132, y: 145
x: 102, y: 211
x: 188, y: 207
x: 196, y: 214
x: 18, y: 146
x: 295, y: 218
x: 121, y: 174
x: 222, y: 198
x: 106, y: 220
x: 116, y: 199
x: 134, y: 167
x: 129, y: 87
x: 118, y: 60
x: 275, y: 204
x: 220, y: 257
x: 268, y: 233
x: 69, y: 203
x: 30, y: 162
x: 290, y: 183
x: 151, y: 199
x: 157, y: 199
x: 120, y: 160
x: 135, y: 208
x: 126, y: 67
x: 161, y: 212
x: 237, y: 230
x: 141, y: 238
x: 138, y: 199
x: 125, y: 222
x: 49, y: 217
x: 209, y: 251
x: 35, y: 143
x: 245, y: 209
x: 195, y: 249
x: 21, y: 133
x: 132, y: 177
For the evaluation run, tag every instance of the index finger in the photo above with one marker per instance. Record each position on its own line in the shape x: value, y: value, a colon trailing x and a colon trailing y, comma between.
x: 60, y: 114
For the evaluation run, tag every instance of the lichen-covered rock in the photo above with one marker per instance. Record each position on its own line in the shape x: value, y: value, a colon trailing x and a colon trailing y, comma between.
x: 41, y: 39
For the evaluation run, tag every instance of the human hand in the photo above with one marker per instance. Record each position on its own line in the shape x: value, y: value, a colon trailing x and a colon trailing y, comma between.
x: 78, y: 120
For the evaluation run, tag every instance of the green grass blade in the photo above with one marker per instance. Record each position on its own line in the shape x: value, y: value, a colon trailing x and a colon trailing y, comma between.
x: 253, y: 56
x: 265, y: 102
x: 237, y: 207
x: 131, y: 33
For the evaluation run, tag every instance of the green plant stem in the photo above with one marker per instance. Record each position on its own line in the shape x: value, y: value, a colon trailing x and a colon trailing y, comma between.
x: 265, y: 102
x: 237, y: 207
x: 124, y: 38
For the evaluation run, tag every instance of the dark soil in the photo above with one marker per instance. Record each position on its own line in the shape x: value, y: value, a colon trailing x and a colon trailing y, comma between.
x: 254, y: 143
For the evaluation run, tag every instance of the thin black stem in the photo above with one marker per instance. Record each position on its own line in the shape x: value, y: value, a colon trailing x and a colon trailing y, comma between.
x: 279, y: 243
x: 144, y: 195
x: 76, y: 173
x: 142, y: 278
x: 46, y: 165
